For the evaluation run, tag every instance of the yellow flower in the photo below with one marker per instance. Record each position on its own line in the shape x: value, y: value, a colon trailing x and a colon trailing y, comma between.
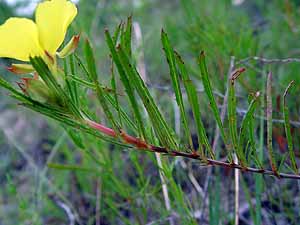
x: 21, y: 38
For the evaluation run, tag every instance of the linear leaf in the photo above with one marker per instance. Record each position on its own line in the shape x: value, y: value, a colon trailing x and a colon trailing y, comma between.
x: 194, y: 101
x: 70, y: 167
x: 161, y: 128
x: 117, y: 34
x: 114, y: 88
x: 68, y: 82
x: 126, y: 36
x: 246, y: 123
x: 175, y: 83
x: 232, y: 118
x: 287, y: 127
x: 109, y: 98
x: 49, y: 78
x: 124, y: 115
x: 270, y: 124
x: 253, y: 147
x: 60, y: 116
x: 209, y: 93
x: 91, y: 66
x: 73, y: 84
x: 127, y: 85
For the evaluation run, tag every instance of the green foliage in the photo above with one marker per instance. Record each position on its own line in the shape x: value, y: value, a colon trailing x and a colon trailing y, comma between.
x: 101, y: 83
x: 288, y: 130
x: 194, y: 101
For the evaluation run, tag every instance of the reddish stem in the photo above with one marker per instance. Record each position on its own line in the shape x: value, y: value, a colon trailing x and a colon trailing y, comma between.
x: 103, y: 129
x: 140, y: 144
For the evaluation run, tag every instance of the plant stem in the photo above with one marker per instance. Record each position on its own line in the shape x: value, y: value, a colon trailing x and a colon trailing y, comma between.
x: 142, y: 145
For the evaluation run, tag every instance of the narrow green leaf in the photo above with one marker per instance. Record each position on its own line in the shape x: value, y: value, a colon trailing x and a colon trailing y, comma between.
x: 42, y: 69
x: 124, y: 115
x: 83, y: 67
x: 176, y: 83
x: 107, y: 92
x: 70, y: 83
x: 67, y: 80
x: 287, y: 127
x: 253, y: 147
x: 90, y: 60
x: 73, y: 84
x: 126, y: 36
x: 57, y: 114
x: 117, y: 34
x: 70, y: 167
x: 114, y: 87
x: 127, y: 85
x: 209, y: 93
x: 248, y: 197
x: 232, y: 118
x: 282, y: 160
x: 270, y: 124
x: 91, y: 66
x: 161, y: 128
x: 91, y: 85
x: 82, y: 82
x: 76, y: 137
x: 246, y: 124
x: 194, y: 102
x: 48, y: 77
x: 60, y: 116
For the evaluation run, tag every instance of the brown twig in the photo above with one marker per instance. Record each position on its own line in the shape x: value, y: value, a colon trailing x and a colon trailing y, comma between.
x: 137, y: 143
x: 268, y: 61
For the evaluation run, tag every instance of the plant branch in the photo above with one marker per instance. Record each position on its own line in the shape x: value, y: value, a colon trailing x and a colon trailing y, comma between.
x: 268, y: 61
x: 142, y: 145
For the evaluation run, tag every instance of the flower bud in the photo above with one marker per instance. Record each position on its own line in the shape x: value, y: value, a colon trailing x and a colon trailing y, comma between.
x: 70, y: 47
x: 35, y: 89
x: 21, y: 68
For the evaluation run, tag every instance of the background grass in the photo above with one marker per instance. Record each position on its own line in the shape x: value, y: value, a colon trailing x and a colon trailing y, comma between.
x: 47, y: 179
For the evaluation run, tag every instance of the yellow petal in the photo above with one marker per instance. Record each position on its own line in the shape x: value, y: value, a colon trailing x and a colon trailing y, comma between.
x: 19, y: 39
x: 52, y: 19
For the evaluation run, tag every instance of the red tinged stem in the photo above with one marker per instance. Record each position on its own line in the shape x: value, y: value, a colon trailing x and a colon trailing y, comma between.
x: 140, y: 144
x: 103, y: 129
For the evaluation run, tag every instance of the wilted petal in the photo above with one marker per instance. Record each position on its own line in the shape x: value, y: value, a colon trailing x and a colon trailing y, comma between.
x: 52, y: 19
x: 19, y: 39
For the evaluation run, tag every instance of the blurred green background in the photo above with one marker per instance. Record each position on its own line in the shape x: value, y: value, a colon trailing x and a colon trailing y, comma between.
x: 124, y: 187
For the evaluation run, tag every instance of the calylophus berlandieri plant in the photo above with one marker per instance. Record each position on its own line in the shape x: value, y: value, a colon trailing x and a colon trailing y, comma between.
x: 56, y: 91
